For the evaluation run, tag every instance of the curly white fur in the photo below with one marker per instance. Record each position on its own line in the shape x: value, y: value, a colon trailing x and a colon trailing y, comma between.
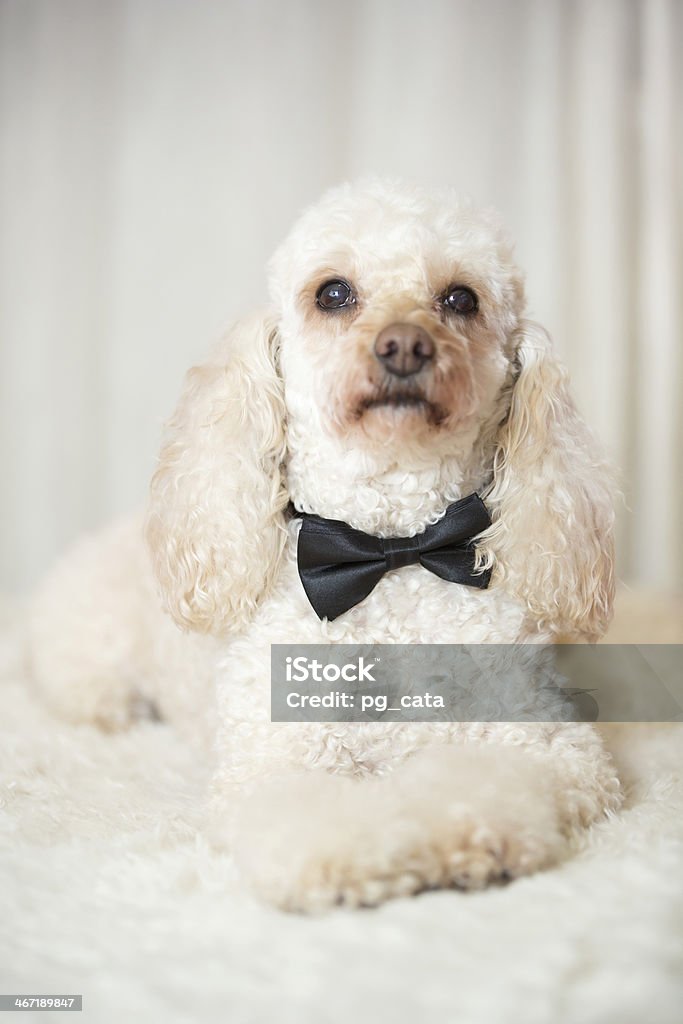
x: 284, y: 410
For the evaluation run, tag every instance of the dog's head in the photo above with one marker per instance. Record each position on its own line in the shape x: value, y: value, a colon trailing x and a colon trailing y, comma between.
x: 396, y: 330
x: 397, y: 311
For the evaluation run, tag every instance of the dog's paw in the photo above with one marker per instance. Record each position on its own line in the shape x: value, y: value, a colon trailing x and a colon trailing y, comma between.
x: 449, y: 818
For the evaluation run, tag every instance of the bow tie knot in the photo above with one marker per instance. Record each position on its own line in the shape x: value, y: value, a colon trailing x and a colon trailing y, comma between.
x: 340, y: 566
x: 400, y: 551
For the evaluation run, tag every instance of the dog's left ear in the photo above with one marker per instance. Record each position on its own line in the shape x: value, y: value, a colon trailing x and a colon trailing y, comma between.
x: 551, y: 501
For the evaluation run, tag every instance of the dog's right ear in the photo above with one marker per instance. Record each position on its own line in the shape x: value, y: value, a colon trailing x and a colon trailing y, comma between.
x: 215, y: 527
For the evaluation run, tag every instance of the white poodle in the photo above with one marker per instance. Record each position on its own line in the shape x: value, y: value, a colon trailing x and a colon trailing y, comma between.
x: 393, y: 374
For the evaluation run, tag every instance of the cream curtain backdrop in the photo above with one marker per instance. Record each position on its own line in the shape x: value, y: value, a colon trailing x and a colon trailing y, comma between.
x: 153, y: 152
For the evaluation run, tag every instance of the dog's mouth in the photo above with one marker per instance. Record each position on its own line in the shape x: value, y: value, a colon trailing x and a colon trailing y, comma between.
x: 407, y: 400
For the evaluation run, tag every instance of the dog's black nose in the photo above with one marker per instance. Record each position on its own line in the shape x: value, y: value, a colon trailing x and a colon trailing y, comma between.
x: 403, y: 349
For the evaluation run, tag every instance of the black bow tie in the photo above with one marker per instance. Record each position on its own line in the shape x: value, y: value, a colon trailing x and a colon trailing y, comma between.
x: 340, y: 566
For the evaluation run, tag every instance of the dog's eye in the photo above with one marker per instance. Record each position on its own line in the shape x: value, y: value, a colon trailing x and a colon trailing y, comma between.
x: 461, y: 300
x: 335, y: 295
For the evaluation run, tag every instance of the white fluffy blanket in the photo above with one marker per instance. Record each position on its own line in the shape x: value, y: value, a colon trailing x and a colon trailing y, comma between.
x: 106, y: 890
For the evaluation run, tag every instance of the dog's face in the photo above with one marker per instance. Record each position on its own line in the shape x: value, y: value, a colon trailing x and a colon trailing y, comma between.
x: 397, y: 309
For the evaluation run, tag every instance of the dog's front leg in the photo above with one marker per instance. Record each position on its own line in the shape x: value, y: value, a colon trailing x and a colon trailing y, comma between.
x: 453, y: 815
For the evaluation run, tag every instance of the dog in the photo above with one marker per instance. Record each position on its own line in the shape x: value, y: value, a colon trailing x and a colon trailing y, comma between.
x: 392, y: 377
